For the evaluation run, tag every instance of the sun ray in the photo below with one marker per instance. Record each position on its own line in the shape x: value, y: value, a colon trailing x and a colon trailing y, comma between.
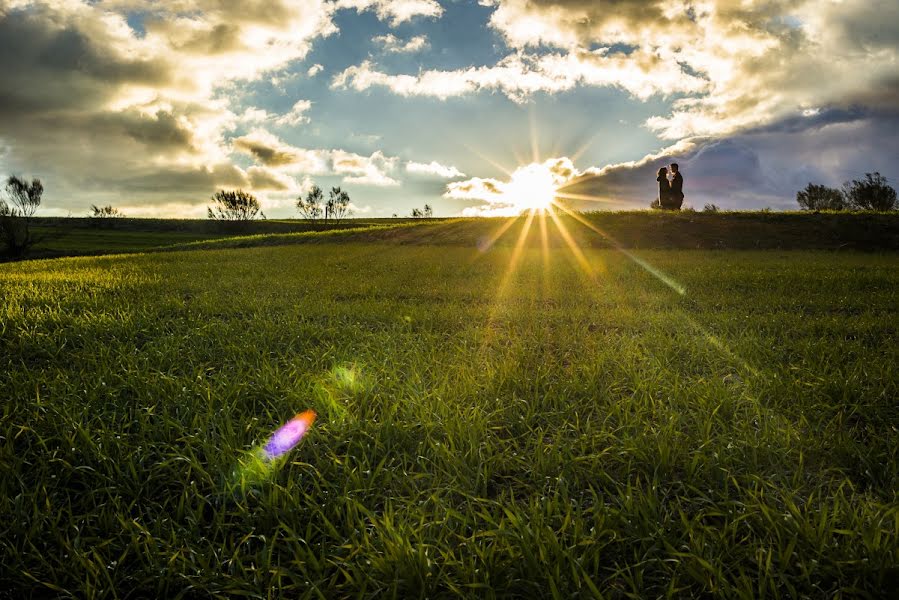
x: 658, y: 274
x: 511, y: 268
x: 494, y: 237
x: 586, y: 197
x: 580, y: 151
x: 486, y: 158
x: 535, y: 142
x: 575, y: 250
x: 710, y: 338
x: 544, y: 245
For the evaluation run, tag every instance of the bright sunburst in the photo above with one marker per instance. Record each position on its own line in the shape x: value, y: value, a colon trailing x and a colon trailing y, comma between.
x: 531, y: 187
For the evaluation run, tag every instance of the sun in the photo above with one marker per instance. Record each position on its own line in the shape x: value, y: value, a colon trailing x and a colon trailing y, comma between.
x: 531, y: 187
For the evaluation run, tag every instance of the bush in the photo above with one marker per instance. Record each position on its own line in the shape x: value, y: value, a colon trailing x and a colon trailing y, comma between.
x: 338, y: 205
x: 103, y: 212
x: 711, y: 208
x: 311, y: 207
x: 235, y: 205
x: 15, y: 220
x: 871, y: 193
x: 821, y: 197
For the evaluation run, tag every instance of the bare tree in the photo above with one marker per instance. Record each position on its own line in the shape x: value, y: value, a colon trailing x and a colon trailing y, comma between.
x: 871, y: 193
x: 15, y: 220
x: 311, y: 207
x: 102, y: 212
x: 428, y: 211
x: 416, y: 213
x: 338, y: 205
x: 234, y: 205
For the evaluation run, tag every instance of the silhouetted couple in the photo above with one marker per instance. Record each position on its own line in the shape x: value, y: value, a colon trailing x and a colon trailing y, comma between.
x: 671, y: 192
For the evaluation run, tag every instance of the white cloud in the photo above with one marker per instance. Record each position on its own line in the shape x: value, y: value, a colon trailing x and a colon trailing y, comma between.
x: 394, y: 45
x: 279, y: 157
x: 314, y: 70
x: 396, y: 11
x: 738, y: 65
x: 521, y: 75
x: 434, y: 168
x: 370, y: 170
x: 296, y: 115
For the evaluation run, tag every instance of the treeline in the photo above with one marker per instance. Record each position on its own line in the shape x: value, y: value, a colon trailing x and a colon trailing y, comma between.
x: 871, y: 193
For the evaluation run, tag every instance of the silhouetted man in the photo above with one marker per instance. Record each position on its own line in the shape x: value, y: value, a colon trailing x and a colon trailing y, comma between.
x: 677, y: 188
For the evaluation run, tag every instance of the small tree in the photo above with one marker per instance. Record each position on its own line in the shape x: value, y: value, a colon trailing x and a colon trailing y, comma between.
x: 26, y: 197
x: 104, y: 212
x: 428, y: 211
x: 234, y: 205
x: 416, y: 213
x: 338, y: 205
x: 821, y: 197
x: 15, y: 220
x: 311, y: 207
x: 871, y: 193
x: 710, y: 208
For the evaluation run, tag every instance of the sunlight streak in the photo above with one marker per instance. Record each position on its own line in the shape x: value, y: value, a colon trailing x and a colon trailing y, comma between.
x: 485, y: 245
x: 535, y: 145
x: 664, y: 278
x: 485, y: 158
x: 583, y: 197
x: 575, y: 250
x: 544, y: 245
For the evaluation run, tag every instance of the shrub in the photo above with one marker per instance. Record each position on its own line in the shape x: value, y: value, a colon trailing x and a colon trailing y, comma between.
x: 711, y: 208
x: 103, y: 212
x: 821, y: 197
x: 338, y: 205
x: 234, y: 205
x: 871, y: 193
x: 15, y: 221
x: 311, y: 207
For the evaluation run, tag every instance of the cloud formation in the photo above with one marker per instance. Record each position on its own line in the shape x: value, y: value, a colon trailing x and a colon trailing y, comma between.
x: 396, y: 12
x: 394, y: 45
x: 271, y: 152
x: 520, y: 75
x: 735, y: 65
x: 434, y: 169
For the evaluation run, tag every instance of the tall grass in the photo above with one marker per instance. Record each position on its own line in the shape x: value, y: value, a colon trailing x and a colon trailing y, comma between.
x: 565, y: 435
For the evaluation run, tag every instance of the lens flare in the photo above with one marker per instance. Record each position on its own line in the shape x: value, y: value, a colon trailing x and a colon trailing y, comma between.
x: 288, y: 435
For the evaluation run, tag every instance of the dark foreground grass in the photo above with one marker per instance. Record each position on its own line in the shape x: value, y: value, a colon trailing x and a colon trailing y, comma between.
x: 81, y: 237
x: 549, y: 434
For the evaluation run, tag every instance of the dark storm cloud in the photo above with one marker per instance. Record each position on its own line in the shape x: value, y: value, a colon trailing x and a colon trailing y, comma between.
x: 46, y: 67
x: 761, y: 167
x: 265, y: 153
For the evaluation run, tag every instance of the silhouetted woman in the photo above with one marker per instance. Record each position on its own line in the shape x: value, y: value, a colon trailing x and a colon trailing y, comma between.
x: 664, y: 188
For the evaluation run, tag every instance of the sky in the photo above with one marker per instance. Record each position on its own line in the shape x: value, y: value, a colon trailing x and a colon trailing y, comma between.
x: 474, y: 107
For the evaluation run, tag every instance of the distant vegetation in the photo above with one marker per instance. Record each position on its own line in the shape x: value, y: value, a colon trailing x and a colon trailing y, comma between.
x: 423, y: 213
x: 313, y: 206
x: 104, y: 212
x: 871, y: 193
x: 16, y: 233
x: 234, y: 205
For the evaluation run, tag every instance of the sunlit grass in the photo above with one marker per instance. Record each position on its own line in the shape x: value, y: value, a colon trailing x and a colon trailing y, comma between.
x: 586, y: 432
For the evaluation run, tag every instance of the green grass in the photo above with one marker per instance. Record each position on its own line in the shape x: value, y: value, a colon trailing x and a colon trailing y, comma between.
x: 552, y: 433
x: 634, y: 229
x: 84, y: 236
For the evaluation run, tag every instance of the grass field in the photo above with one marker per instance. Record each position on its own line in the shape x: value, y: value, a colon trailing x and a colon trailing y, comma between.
x: 79, y: 236
x: 514, y: 422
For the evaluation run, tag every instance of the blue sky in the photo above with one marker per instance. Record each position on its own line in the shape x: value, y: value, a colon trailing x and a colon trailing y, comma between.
x: 153, y: 106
